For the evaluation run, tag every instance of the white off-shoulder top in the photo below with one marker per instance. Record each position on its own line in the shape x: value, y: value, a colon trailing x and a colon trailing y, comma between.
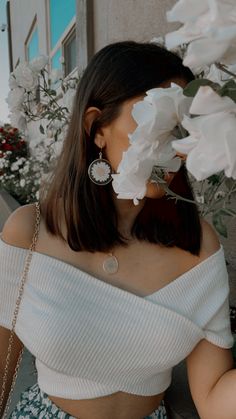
x: 92, y: 339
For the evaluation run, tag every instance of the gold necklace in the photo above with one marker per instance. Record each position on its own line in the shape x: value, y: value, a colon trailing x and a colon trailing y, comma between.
x: 110, y: 264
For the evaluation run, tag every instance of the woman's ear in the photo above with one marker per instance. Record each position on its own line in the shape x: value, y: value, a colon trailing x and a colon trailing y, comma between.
x: 91, y: 114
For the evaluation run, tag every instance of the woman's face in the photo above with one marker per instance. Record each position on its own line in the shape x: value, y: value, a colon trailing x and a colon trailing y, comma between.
x: 116, y: 133
x: 117, y: 141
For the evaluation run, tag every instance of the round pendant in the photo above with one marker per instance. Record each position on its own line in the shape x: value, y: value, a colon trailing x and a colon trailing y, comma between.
x: 110, y: 265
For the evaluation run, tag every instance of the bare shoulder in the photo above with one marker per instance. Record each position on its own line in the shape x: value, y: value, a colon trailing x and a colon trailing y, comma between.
x: 210, y: 240
x: 19, y: 227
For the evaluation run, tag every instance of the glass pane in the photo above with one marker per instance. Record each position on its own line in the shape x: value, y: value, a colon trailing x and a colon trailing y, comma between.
x: 70, y: 54
x: 61, y: 14
x: 33, y: 46
x: 55, y: 61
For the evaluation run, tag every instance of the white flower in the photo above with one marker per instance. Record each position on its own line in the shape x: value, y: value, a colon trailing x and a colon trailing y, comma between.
x: 219, y: 76
x: 25, y: 77
x: 12, y: 81
x: 160, y: 40
x: 100, y: 171
x: 18, y: 120
x: 49, y: 133
x: 200, y: 198
x: 22, y: 183
x: 15, y: 99
x: 38, y: 63
x: 3, y: 163
x: 209, y: 26
x: 156, y: 116
x: 68, y: 99
x: 211, y: 144
x: 14, y: 166
x: 55, y: 75
x: 57, y: 124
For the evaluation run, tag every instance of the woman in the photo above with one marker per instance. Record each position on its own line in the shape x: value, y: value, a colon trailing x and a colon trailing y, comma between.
x: 117, y: 294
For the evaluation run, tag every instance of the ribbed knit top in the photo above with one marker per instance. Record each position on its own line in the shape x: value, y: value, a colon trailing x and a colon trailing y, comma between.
x: 91, y: 338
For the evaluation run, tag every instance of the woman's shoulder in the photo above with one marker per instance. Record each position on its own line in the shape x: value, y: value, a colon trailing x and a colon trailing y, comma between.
x: 19, y: 227
x: 210, y: 241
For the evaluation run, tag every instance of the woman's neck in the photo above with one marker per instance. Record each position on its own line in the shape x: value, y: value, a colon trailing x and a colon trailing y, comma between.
x: 127, y: 213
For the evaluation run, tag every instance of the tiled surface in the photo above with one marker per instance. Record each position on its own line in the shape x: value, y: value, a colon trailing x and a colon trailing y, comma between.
x: 25, y: 379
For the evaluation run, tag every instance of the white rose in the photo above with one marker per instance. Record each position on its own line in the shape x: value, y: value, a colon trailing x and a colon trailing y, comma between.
x: 12, y: 81
x: 22, y: 183
x: 68, y: 99
x: 57, y: 148
x: 211, y: 144
x: 49, y: 133
x: 38, y: 63
x: 156, y: 116
x: 55, y: 75
x: 160, y: 40
x: 209, y: 26
x: 15, y: 166
x: 18, y: 120
x: 15, y: 99
x: 218, y: 76
x: 25, y: 77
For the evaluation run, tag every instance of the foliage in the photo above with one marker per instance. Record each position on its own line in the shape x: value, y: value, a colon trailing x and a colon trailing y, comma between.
x: 40, y: 103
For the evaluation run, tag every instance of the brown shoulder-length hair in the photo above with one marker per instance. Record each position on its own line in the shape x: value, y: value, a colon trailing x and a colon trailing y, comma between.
x: 116, y: 73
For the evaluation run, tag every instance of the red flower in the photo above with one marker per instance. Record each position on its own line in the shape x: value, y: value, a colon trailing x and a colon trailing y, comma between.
x: 8, y: 147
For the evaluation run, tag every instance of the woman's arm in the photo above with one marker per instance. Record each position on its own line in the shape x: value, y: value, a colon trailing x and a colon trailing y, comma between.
x: 16, y: 348
x: 212, y: 381
x: 211, y: 377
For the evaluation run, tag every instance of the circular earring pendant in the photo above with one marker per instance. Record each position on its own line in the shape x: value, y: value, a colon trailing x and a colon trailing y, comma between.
x: 100, y: 172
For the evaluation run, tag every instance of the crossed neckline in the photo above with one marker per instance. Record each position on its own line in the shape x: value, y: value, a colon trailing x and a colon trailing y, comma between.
x: 71, y: 267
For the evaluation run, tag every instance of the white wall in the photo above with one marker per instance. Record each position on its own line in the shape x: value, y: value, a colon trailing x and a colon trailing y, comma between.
x: 22, y: 16
x: 138, y: 20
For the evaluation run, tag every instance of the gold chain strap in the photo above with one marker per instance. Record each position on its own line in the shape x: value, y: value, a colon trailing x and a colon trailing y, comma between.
x: 18, y: 301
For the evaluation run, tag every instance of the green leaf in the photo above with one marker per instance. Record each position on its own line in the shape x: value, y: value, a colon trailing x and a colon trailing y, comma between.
x: 41, y: 129
x: 230, y: 183
x: 219, y: 224
x: 52, y: 92
x: 228, y: 212
x: 192, y: 88
x: 214, y: 179
x: 229, y: 89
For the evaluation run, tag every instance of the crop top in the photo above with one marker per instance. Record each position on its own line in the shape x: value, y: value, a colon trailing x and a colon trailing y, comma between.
x: 92, y: 339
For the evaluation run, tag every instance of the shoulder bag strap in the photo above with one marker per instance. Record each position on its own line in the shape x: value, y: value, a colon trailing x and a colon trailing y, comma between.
x: 17, y: 306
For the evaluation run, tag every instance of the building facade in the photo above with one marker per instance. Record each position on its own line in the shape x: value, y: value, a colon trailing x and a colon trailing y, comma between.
x: 71, y: 31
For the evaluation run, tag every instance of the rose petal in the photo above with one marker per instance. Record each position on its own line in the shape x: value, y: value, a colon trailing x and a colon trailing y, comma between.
x: 185, y: 10
x: 204, y: 51
x: 207, y: 101
x: 185, y: 145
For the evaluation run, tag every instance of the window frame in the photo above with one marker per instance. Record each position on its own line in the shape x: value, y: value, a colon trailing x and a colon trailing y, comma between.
x: 84, y: 33
x: 63, y: 37
x: 33, y: 28
x: 66, y: 40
